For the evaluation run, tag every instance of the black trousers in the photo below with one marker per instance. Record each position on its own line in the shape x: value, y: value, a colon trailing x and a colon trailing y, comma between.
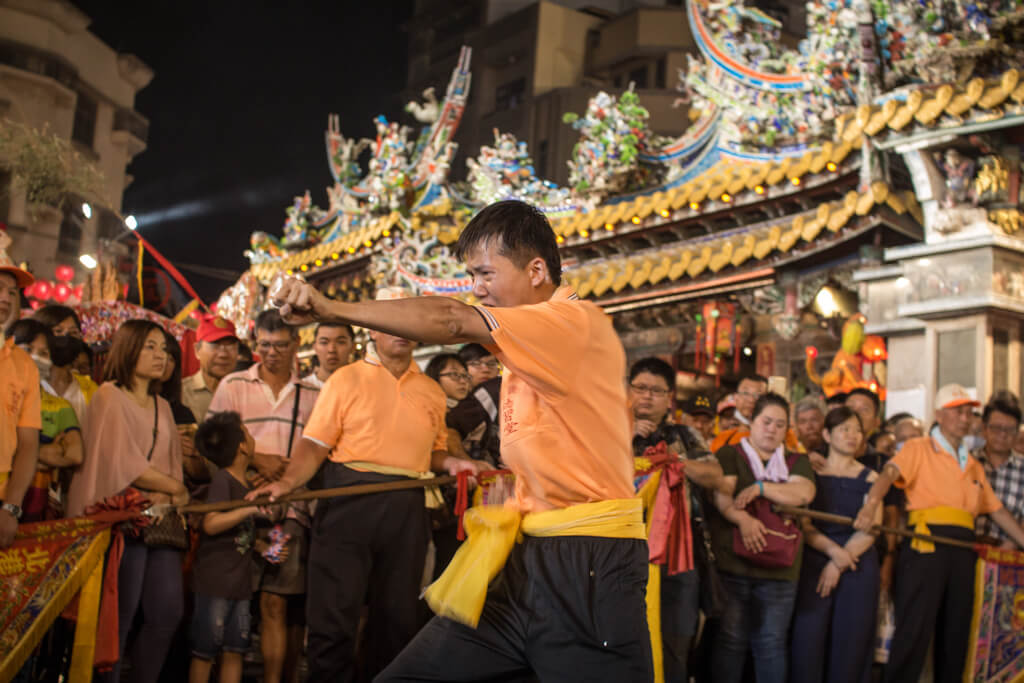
x: 933, y: 594
x: 564, y: 609
x: 364, y: 550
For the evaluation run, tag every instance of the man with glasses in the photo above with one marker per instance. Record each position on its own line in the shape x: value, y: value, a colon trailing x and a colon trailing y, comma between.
x: 275, y: 406
x: 217, y: 350
x: 750, y: 388
x: 650, y: 395
x: 480, y: 362
x: 1004, y: 467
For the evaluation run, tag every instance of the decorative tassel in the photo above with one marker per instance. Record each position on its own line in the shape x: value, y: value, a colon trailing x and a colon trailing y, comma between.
x: 461, y: 501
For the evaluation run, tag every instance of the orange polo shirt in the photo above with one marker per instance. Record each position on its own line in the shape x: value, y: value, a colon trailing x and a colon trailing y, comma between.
x: 932, y: 478
x: 366, y: 414
x: 564, y: 416
x: 19, y: 394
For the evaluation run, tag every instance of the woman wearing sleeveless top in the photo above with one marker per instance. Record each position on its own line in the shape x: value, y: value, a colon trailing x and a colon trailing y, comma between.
x: 837, y: 597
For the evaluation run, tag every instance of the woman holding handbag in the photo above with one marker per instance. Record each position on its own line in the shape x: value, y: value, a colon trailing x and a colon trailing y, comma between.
x: 131, y: 441
x: 758, y: 552
x: 837, y: 598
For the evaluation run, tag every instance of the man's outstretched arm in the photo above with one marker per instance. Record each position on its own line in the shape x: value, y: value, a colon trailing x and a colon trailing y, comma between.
x: 428, y: 319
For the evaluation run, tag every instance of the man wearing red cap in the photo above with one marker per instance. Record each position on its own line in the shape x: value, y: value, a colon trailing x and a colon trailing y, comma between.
x: 946, y: 489
x: 218, y: 353
x: 21, y: 418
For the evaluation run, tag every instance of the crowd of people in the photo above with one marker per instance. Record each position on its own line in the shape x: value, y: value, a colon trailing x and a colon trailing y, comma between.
x: 538, y: 388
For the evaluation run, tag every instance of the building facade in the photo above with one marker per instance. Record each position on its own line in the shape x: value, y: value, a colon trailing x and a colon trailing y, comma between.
x: 57, y: 76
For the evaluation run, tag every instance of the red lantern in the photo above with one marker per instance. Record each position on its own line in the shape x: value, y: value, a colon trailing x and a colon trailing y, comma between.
x: 61, y: 292
x: 34, y: 304
x: 43, y: 290
x: 30, y: 291
x: 78, y: 291
x: 65, y: 273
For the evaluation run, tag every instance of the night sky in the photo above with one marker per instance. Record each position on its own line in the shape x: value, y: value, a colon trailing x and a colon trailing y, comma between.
x: 238, y: 109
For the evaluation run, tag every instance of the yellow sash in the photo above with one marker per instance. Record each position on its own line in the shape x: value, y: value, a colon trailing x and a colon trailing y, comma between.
x: 920, y: 519
x: 432, y: 494
x: 492, y: 531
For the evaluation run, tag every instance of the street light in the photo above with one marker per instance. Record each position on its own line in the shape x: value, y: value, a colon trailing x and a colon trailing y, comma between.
x: 86, y: 210
x: 131, y: 223
x: 88, y: 260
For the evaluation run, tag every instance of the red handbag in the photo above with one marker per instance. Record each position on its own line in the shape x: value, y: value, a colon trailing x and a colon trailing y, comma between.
x: 782, y: 534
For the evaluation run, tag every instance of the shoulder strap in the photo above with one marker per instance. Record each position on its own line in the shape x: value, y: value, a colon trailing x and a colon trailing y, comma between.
x: 156, y: 425
x: 295, y: 419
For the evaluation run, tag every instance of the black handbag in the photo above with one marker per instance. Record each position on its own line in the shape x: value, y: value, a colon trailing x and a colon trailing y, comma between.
x: 169, y: 530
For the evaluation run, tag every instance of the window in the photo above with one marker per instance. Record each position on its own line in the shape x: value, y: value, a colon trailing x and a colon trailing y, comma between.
x: 110, y: 227
x: 84, y: 130
x: 510, y: 95
x: 956, y: 358
x: 1000, y: 359
x: 5, y: 195
x: 70, y: 240
x: 541, y: 161
x: 659, y: 74
x: 639, y: 77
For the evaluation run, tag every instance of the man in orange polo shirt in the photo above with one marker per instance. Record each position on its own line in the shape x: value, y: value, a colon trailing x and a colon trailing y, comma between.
x: 376, y: 420
x: 19, y: 391
x: 567, y: 603
x: 945, y: 490
x: 750, y: 388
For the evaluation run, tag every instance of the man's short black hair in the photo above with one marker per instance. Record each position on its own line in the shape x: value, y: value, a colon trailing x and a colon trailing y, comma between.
x: 1001, y: 405
x: 334, y: 323
x: 861, y: 391
x: 836, y: 400
x: 524, y: 231
x: 472, y: 352
x: 655, y: 366
x: 271, y: 321
x: 219, y: 437
x: 27, y: 330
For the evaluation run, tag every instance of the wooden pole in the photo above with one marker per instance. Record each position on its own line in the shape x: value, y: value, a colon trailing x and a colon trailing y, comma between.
x: 840, y: 519
x: 359, y: 490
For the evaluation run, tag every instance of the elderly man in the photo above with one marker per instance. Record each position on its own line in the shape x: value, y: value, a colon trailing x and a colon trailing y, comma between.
x: 378, y: 420
x: 809, y: 418
x: 21, y: 419
x: 217, y: 350
x: 1004, y: 467
x: 946, y: 490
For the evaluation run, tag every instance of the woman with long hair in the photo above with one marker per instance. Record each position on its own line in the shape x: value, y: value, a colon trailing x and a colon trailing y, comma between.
x: 131, y: 440
x: 193, y: 464
x: 834, y: 621
x: 759, y: 595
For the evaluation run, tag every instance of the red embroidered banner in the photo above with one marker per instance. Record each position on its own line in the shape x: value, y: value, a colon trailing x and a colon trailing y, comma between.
x: 48, y: 564
x: 997, y: 630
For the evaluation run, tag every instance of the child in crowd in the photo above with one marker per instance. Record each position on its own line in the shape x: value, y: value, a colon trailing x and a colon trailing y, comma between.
x: 223, y: 571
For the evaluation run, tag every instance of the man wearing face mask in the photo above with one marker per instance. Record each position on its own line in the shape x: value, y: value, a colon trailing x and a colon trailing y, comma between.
x: 20, y: 419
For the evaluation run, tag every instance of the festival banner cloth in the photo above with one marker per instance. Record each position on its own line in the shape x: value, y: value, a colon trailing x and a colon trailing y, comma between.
x: 996, y: 653
x: 46, y: 567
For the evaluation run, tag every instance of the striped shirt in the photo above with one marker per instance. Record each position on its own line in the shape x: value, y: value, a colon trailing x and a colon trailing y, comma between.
x: 268, y: 418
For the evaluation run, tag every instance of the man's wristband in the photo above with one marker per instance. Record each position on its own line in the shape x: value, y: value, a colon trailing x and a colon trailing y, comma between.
x: 760, y: 486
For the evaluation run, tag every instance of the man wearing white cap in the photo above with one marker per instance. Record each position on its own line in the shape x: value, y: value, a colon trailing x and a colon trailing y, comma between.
x: 945, y: 490
x: 21, y: 418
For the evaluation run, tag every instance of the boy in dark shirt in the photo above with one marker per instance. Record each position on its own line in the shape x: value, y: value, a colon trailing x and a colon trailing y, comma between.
x: 223, y: 571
